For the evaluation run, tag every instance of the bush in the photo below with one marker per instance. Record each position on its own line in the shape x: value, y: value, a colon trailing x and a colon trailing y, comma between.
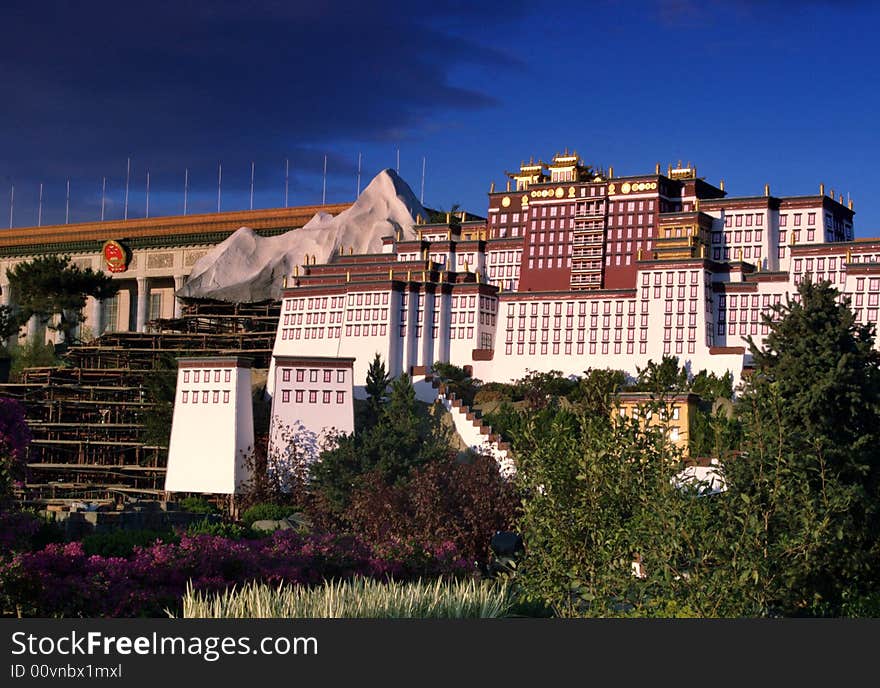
x: 197, y: 505
x: 462, y: 504
x: 354, y: 599
x: 121, y: 543
x: 33, y: 354
x: 63, y: 580
x: 266, y: 512
x: 233, y: 531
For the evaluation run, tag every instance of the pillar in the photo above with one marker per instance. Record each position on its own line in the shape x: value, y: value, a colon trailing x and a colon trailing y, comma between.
x: 95, y: 317
x: 143, y: 297
x: 179, y: 281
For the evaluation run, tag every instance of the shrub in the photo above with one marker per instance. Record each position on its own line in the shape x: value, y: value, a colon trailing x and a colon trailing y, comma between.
x: 121, y: 543
x: 444, y: 502
x: 233, y: 531
x: 354, y: 599
x: 33, y: 354
x: 197, y: 505
x: 63, y: 580
x: 266, y: 512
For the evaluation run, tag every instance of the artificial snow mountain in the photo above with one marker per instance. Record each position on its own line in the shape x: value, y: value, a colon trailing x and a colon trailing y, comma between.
x: 247, y: 267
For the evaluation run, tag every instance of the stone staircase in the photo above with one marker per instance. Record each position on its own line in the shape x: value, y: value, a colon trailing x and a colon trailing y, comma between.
x: 469, y: 424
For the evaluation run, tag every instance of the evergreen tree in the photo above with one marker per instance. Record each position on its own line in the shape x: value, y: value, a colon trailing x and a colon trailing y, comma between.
x: 378, y: 380
x: 49, y: 286
x: 804, y: 493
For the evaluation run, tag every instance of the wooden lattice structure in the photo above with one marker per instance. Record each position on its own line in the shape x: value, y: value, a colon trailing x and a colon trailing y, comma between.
x: 88, y: 418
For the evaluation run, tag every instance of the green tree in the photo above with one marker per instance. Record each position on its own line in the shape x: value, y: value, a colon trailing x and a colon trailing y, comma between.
x: 378, y: 380
x: 662, y: 378
x: 405, y: 436
x: 601, y: 495
x: 50, y: 286
x: 803, y: 498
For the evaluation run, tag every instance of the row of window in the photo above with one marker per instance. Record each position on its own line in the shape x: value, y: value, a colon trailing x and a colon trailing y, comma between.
x: 207, y: 396
x: 545, y: 307
x: 731, y: 220
x: 557, y: 335
x: 205, y: 375
x: 811, y: 219
x: 593, y: 348
x: 738, y: 237
x: 741, y: 253
x: 694, y: 292
x: 326, y: 374
x: 300, y: 394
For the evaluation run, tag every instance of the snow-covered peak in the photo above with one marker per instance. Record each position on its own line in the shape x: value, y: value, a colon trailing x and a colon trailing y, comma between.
x: 247, y: 267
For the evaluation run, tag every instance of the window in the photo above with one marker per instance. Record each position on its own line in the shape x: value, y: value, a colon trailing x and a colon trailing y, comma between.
x: 186, y: 376
x: 185, y: 397
x: 227, y: 376
x: 340, y: 397
x: 299, y: 396
x: 313, y: 396
x: 197, y: 375
x: 328, y: 376
x: 216, y: 397
x: 300, y: 374
x: 205, y: 397
x: 155, y: 305
x: 326, y: 397
x: 313, y: 375
x: 285, y: 396
x: 340, y: 376
x: 225, y: 396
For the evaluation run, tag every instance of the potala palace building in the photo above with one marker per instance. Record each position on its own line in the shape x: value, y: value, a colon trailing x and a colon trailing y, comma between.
x: 575, y: 269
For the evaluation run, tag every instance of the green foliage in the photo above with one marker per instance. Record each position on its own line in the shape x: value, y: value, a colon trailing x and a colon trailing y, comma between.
x: 353, y: 599
x: 378, y: 380
x: 197, y: 505
x: 161, y: 387
x: 33, y: 354
x: 537, y: 388
x: 119, y: 543
x: 596, y: 390
x: 811, y: 464
x: 601, y: 496
x: 405, y: 436
x: 231, y: 531
x: 458, y: 381
x: 266, y: 512
x: 9, y: 324
x: 711, y: 387
x: 662, y: 378
x: 49, y: 286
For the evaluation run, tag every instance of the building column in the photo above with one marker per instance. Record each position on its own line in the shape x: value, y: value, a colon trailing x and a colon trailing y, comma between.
x: 143, y: 297
x: 4, y: 294
x: 33, y: 329
x: 179, y: 281
x: 95, y: 317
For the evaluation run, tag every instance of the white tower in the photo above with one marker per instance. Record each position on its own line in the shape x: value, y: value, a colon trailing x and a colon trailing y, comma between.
x: 213, y: 427
x: 313, y: 397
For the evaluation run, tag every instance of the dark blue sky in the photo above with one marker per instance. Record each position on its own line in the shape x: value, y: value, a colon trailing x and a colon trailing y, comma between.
x: 752, y: 92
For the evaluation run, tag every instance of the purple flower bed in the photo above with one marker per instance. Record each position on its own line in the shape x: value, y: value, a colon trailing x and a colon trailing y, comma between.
x: 61, y: 580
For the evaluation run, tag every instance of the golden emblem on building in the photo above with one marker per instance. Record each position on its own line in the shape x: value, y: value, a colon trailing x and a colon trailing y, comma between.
x: 559, y: 192
x: 625, y: 187
x: 505, y: 201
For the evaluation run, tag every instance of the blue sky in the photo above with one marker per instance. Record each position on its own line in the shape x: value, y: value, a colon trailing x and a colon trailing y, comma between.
x: 773, y: 92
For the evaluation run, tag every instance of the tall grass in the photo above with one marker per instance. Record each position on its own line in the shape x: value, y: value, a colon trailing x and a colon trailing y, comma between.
x: 354, y: 599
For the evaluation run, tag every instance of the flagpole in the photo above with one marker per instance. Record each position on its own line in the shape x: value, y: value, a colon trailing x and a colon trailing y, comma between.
x: 324, y: 186
x: 103, y: 195
x: 127, y: 179
x: 252, y: 184
x: 185, y: 188
x: 286, y: 179
x: 359, y: 177
x: 398, y: 160
x: 148, y: 193
x: 424, y: 163
x: 11, y: 205
x: 67, y: 204
x: 219, y: 183
x: 40, y: 207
